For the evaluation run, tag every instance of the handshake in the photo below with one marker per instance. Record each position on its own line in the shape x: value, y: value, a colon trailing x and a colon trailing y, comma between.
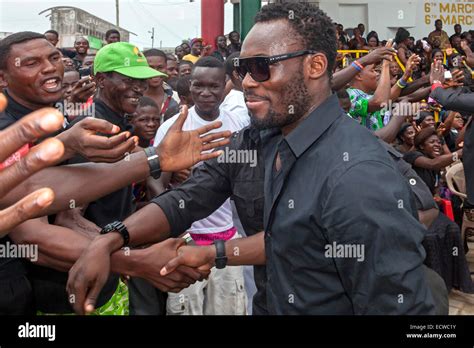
x: 170, y: 266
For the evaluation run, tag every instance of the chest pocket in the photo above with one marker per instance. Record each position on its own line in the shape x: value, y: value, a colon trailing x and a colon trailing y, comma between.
x: 248, y: 198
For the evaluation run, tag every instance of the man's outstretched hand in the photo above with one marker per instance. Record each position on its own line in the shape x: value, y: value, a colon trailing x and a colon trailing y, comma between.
x: 15, y: 167
x: 182, y: 149
x: 88, y: 139
x: 90, y: 272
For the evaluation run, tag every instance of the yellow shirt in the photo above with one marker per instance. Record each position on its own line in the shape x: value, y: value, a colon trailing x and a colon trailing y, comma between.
x: 191, y: 58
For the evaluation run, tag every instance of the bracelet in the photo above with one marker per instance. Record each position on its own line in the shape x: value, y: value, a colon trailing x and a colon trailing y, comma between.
x: 436, y: 84
x: 402, y: 84
x: 357, y: 65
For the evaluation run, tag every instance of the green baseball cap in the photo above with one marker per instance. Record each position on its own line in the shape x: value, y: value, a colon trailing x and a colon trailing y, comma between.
x: 126, y: 59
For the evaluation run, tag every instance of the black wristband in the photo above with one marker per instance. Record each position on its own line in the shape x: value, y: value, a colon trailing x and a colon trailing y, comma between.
x: 119, y: 227
x: 153, y: 162
x: 221, y: 259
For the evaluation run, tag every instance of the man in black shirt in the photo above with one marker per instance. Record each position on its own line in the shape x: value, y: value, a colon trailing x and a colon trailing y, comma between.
x: 330, y: 169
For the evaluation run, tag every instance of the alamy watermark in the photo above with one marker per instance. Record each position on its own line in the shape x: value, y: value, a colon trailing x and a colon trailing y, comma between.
x: 402, y: 109
x: 238, y: 156
x: 351, y: 251
x: 24, y: 251
x: 75, y: 109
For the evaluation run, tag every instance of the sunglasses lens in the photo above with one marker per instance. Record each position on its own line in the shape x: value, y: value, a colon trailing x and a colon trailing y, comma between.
x: 257, y: 67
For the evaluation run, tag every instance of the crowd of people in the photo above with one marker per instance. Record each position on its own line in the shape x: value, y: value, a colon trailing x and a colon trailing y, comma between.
x: 344, y: 140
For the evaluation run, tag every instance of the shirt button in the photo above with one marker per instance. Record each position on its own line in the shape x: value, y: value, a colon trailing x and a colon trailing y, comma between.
x: 412, y: 182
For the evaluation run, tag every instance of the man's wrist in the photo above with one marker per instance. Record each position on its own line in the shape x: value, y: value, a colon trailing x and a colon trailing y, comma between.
x: 363, y: 61
x: 110, y: 242
x: 211, y: 254
x: 436, y: 84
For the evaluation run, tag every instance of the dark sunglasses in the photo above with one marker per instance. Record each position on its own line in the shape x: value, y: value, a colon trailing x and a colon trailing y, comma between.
x: 259, y: 67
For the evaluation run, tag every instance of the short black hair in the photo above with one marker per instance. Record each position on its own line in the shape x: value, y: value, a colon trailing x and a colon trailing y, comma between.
x: 153, y: 52
x: 373, y: 34
x: 434, y: 51
x: 183, y: 86
x: 110, y: 32
x: 438, y: 20
x: 310, y: 23
x: 229, y: 63
x: 234, y: 31
x: 13, y: 39
x: 81, y: 37
x: 208, y: 62
x: 147, y: 101
x: 169, y: 56
x: 51, y: 31
x: 401, y: 35
x: 186, y: 62
x: 218, y: 36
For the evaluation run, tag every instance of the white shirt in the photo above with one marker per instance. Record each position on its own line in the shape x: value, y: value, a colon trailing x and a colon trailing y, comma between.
x: 221, y: 219
x: 234, y: 103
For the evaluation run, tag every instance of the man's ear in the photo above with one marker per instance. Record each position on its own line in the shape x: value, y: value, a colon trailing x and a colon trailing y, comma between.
x: 3, y: 79
x: 358, y: 77
x: 99, y: 80
x: 318, y: 66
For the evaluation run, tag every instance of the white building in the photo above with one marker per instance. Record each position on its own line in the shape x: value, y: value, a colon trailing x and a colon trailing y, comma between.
x: 386, y: 16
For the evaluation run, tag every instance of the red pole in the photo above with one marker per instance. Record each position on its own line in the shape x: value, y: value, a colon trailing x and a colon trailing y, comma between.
x: 212, y: 20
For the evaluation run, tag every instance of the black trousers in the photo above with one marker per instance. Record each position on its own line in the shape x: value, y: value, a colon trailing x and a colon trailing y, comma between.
x: 16, y: 296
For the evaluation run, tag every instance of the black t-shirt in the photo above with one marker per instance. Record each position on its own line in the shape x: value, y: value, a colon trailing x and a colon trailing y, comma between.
x: 115, y: 206
x: 119, y: 204
x: 429, y: 176
x: 11, y: 267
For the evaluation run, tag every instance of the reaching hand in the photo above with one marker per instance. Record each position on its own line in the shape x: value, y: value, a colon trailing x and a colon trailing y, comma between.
x: 376, y: 56
x: 15, y: 168
x: 90, y: 272
x: 82, y: 139
x: 412, y: 62
x: 83, y: 89
x: 182, y: 149
x: 457, y: 79
x: 180, y: 176
x: 437, y: 72
x: 201, y: 257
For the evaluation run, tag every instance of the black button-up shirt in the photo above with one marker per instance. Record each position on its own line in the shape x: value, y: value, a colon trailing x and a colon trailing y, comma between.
x: 210, y: 184
x: 341, y: 228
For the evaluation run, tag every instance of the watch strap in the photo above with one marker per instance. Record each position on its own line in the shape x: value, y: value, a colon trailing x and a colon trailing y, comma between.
x: 153, y: 162
x: 117, y: 226
x: 221, y: 258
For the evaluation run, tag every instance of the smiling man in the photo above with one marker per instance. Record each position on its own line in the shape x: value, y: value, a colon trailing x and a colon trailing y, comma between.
x: 81, y: 45
x: 322, y: 188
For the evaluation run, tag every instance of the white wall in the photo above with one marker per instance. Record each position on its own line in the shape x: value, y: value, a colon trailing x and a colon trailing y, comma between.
x: 417, y: 16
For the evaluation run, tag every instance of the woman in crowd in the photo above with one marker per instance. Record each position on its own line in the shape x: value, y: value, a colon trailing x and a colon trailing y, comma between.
x: 405, y: 138
x: 372, y: 41
x: 402, y: 39
x: 427, y: 159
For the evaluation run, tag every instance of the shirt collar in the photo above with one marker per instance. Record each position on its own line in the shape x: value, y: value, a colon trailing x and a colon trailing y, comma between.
x: 313, y: 126
x: 15, y: 109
